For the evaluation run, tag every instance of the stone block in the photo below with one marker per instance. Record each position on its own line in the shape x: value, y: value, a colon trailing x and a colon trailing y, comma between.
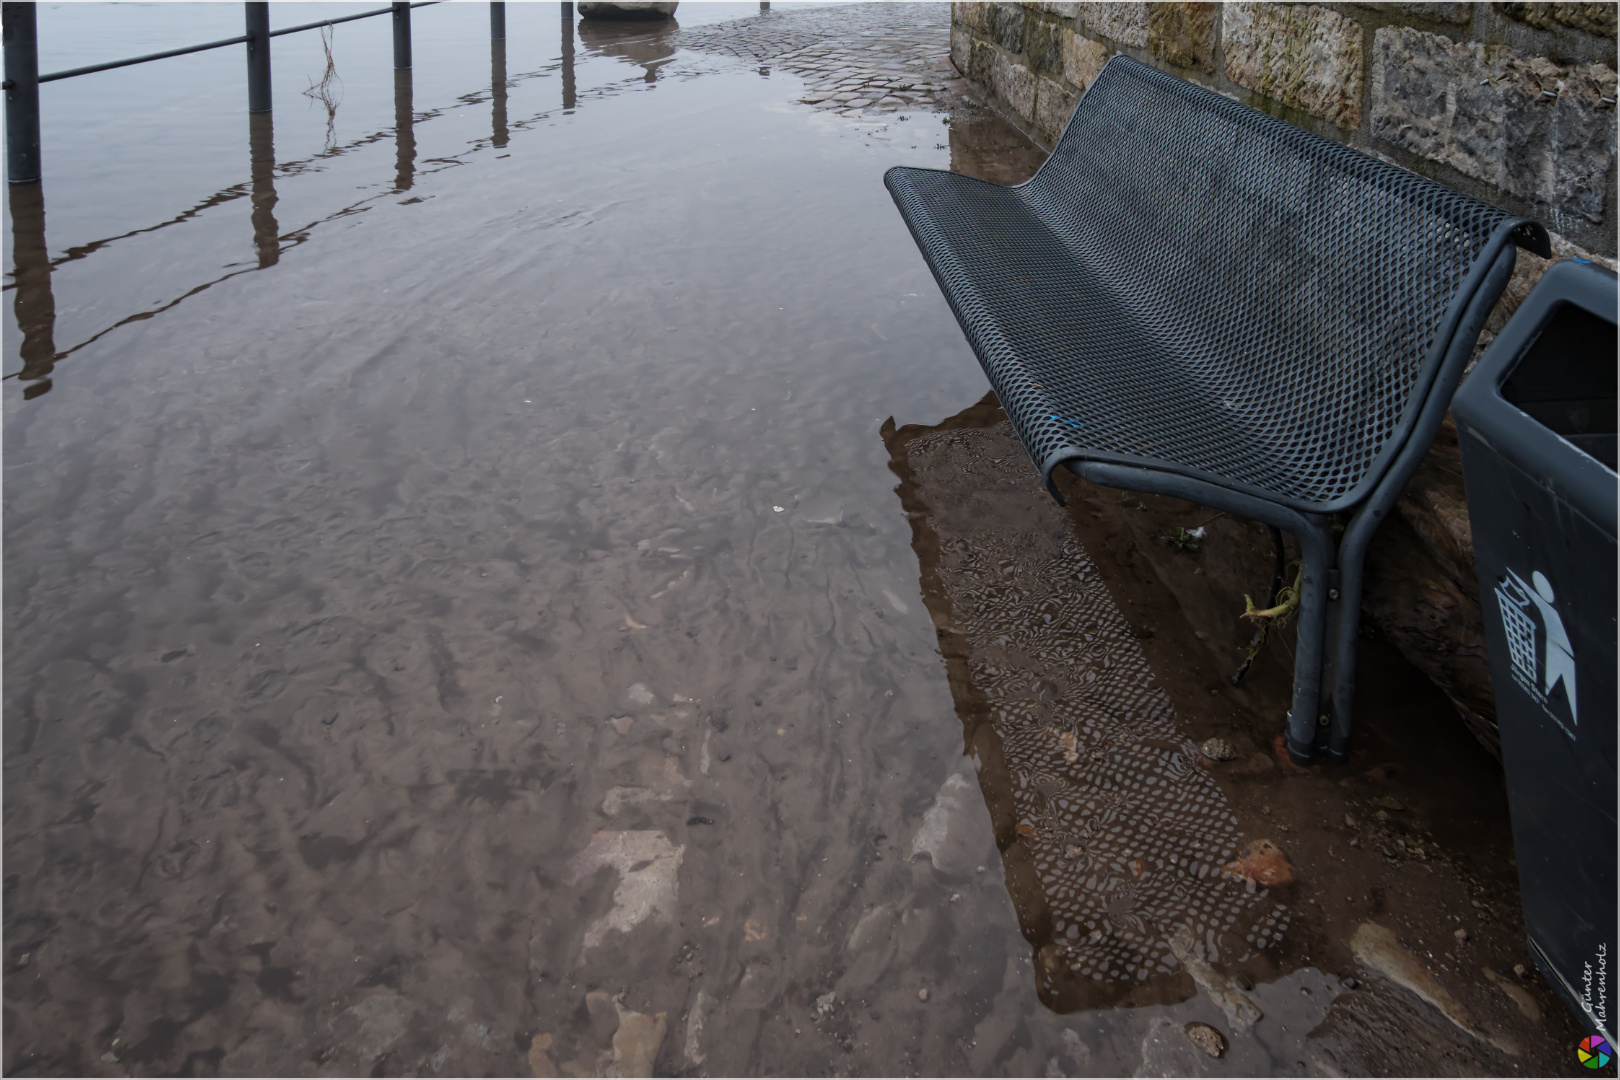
x: 1183, y: 34
x: 1043, y: 46
x: 1014, y: 84
x: 962, y: 48
x: 1124, y: 23
x: 974, y: 15
x: 1054, y: 104
x: 1590, y: 18
x: 1007, y: 26
x: 1050, y: 7
x: 1529, y: 126
x: 1303, y: 55
x: 1082, y: 58
x: 981, y: 62
x: 1449, y: 13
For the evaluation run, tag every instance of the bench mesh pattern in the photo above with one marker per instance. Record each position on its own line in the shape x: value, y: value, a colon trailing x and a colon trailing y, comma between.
x: 1190, y: 284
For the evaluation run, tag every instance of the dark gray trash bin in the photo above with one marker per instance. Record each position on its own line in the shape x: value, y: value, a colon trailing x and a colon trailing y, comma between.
x: 1537, y: 421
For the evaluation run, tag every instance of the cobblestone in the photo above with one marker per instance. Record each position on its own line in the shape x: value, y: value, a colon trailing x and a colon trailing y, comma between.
x: 855, y: 59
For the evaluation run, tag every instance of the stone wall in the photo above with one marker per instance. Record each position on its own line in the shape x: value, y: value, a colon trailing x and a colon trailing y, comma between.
x: 1511, y: 103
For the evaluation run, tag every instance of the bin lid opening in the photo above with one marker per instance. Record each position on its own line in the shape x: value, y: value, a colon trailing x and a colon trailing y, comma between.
x: 1566, y: 380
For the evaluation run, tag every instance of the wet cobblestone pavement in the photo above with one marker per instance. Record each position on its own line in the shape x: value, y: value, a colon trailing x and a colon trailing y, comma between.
x: 867, y: 60
x: 478, y: 631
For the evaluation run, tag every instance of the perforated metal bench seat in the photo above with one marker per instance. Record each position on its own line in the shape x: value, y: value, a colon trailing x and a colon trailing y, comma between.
x: 1196, y: 298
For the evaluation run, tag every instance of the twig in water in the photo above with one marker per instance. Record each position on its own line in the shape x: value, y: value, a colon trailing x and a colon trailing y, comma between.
x: 1276, y: 594
x: 322, y: 90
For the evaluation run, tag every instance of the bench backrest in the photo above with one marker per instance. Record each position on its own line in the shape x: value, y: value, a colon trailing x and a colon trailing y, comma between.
x: 1304, y: 284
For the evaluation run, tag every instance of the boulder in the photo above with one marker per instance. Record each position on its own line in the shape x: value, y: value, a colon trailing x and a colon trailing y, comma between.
x: 625, y: 9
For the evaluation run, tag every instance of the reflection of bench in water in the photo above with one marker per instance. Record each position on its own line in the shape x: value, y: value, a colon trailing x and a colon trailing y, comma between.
x: 1196, y: 299
x: 1111, y: 835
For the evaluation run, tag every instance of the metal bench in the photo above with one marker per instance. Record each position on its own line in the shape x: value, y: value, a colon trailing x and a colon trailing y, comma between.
x: 1195, y: 299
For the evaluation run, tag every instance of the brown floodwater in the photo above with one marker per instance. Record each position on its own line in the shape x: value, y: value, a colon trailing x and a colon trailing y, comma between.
x: 460, y: 617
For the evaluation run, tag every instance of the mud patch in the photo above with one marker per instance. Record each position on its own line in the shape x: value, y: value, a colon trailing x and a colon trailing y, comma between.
x: 647, y: 864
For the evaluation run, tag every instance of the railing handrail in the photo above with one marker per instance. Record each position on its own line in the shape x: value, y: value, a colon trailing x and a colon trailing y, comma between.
x: 109, y: 65
x: 22, y: 77
x: 239, y: 40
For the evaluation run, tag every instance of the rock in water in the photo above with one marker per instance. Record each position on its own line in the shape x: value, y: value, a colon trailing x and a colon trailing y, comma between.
x: 647, y: 864
x: 1376, y: 947
x: 636, y: 1043
x: 1207, y: 1039
x: 1263, y: 863
x: 625, y: 9
x: 540, y: 1058
x: 1218, y: 750
x: 1240, y: 1011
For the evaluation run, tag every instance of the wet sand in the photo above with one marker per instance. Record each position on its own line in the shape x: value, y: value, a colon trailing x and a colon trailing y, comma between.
x: 477, y: 632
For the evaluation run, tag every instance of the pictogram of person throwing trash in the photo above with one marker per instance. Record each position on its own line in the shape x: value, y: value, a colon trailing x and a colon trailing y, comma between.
x: 1537, y: 675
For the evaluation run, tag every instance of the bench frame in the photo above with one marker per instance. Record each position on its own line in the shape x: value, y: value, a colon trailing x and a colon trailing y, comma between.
x: 1319, y: 721
x: 1330, y: 589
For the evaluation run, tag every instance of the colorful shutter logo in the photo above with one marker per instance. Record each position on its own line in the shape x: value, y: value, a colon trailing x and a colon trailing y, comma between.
x: 1594, y: 1052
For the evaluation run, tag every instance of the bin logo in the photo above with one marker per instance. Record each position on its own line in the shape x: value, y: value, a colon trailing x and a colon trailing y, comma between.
x: 1594, y: 1052
x: 1529, y: 620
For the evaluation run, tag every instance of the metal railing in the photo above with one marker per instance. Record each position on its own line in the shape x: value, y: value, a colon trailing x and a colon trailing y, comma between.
x: 33, y: 266
x: 22, y: 77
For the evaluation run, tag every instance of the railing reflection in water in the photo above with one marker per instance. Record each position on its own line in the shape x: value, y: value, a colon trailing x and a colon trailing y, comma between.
x: 34, y: 305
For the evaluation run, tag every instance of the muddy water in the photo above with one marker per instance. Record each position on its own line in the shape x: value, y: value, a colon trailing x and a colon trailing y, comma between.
x: 458, y: 615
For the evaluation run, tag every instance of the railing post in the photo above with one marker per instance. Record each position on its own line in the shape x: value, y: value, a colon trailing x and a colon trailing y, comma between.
x: 497, y: 22
x: 258, y: 57
x: 499, y: 133
x: 402, y: 37
x: 404, y: 132
x: 22, y: 93
x: 262, y: 171
x: 568, y: 54
x: 35, y: 305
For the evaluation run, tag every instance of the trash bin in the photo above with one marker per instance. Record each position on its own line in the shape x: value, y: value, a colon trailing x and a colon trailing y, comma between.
x: 1537, y: 425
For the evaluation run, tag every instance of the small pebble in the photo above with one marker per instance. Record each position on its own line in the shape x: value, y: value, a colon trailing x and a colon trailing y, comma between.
x: 1352, y: 984
x: 1518, y: 969
x: 922, y: 995
x: 1349, y: 822
x: 1242, y: 981
x: 1218, y: 750
x: 1461, y: 935
x: 1207, y: 1039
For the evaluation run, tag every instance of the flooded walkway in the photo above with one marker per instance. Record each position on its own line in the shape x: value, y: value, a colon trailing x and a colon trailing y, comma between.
x: 460, y: 617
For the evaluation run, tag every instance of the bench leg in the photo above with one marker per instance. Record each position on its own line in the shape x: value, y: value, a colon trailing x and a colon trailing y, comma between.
x: 1346, y: 620
x: 1306, y: 717
x: 1347, y: 624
